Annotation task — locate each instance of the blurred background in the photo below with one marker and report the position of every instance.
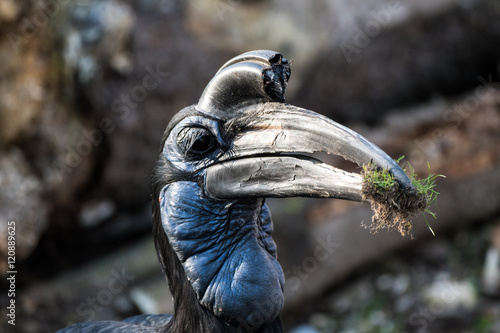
(87, 88)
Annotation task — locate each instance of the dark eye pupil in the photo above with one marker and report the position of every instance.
(202, 144)
(195, 142)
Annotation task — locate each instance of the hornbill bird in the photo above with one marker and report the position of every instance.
(218, 161)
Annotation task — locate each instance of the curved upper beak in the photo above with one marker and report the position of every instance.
(267, 158)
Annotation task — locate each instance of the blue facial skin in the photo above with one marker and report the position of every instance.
(227, 252)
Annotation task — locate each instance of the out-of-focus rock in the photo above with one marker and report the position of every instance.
(445, 296)
(23, 97)
(97, 35)
(95, 212)
(491, 267)
(428, 61)
(22, 90)
(21, 202)
(44, 161)
(491, 271)
(9, 10)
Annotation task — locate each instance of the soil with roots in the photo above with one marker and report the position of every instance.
(393, 207)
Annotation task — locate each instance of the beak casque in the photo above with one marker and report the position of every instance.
(267, 157)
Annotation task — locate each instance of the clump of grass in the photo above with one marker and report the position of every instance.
(393, 206)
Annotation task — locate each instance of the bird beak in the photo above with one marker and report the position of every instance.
(268, 157)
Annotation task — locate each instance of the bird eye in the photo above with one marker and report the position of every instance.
(202, 143)
(196, 141)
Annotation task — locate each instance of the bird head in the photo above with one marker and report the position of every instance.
(219, 160)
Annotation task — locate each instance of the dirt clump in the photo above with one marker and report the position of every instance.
(393, 206)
